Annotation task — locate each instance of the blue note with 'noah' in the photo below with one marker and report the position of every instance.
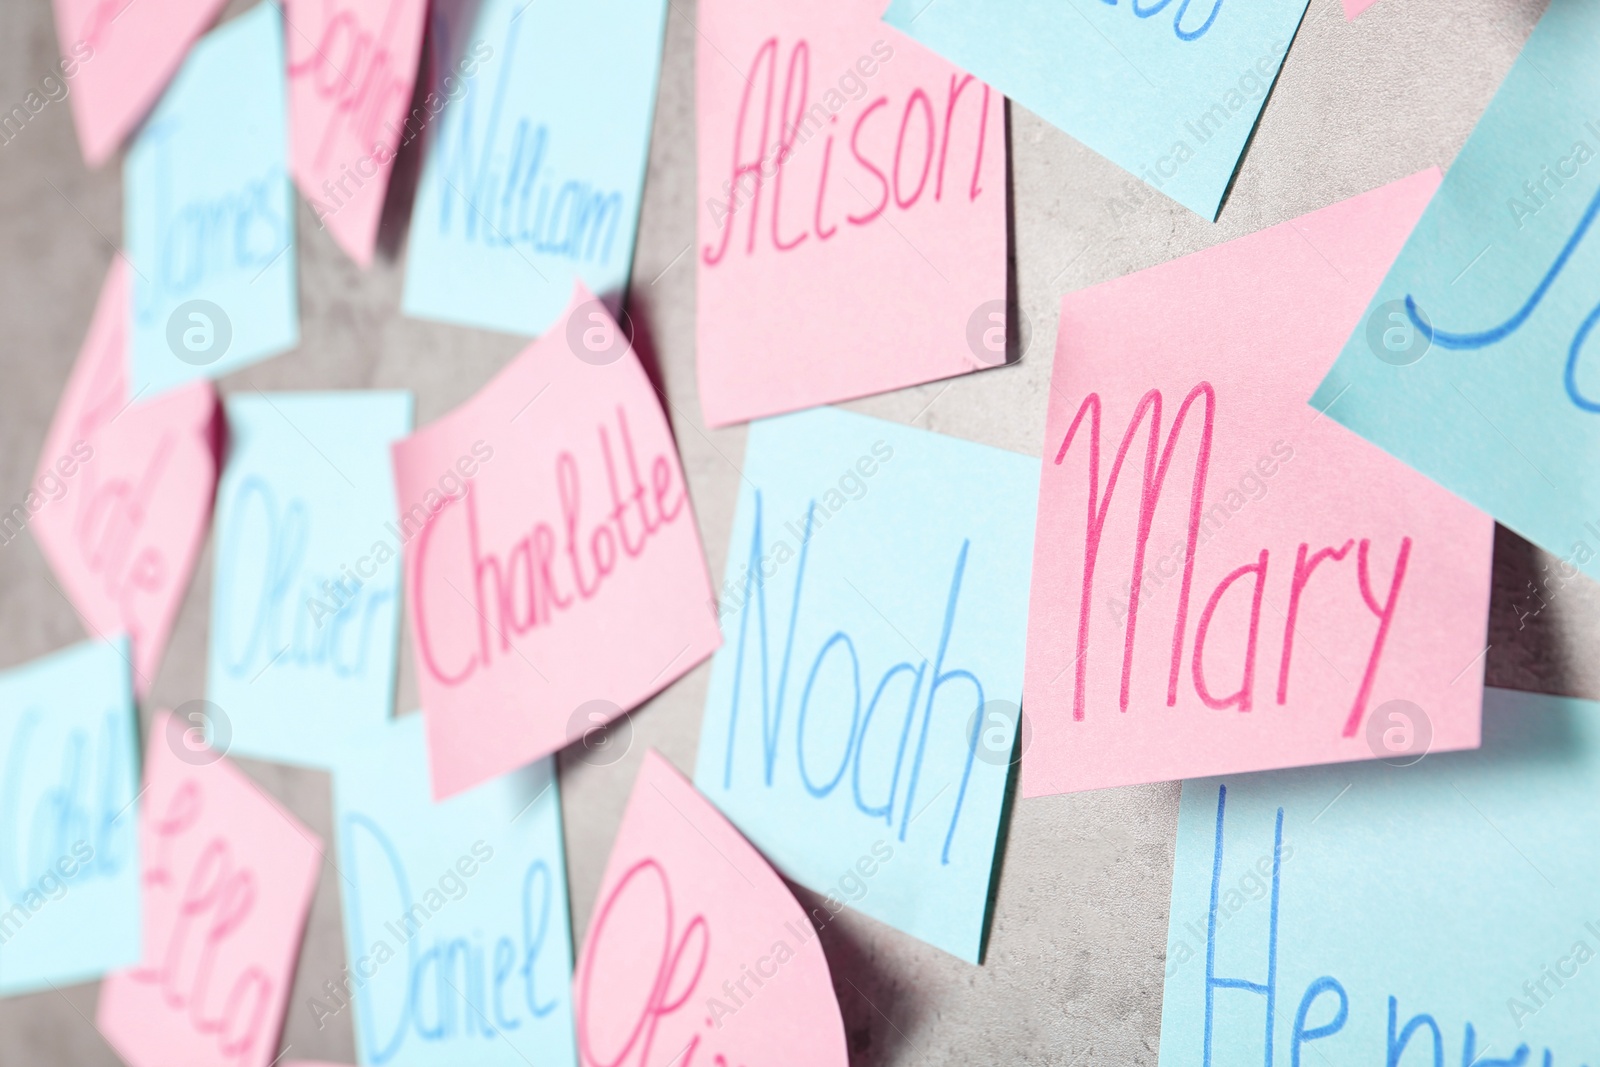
(1419, 912)
(209, 212)
(535, 161)
(457, 934)
(861, 725)
(1168, 90)
(305, 604)
(69, 818)
(1478, 359)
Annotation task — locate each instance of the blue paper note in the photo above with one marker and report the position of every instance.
(536, 156)
(860, 723)
(455, 914)
(1475, 362)
(1168, 91)
(1441, 912)
(209, 212)
(305, 602)
(69, 824)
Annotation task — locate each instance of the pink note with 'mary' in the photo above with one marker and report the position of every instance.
(117, 57)
(554, 577)
(1352, 8)
(124, 490)
(696, 952)
(352, 65)
(851, 209)
(1225, 579)
(228, 879)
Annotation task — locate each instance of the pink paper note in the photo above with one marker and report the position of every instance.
(228, 879)
(1292, 579)
(352, 64)
(874, 256)
(554, 576)
(1352, 8)
(121, 54)
(125, 491)
(696, 952)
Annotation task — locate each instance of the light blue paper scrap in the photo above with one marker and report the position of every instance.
(209, 212)
(305, 603)
(1397, 912)
(862, 712)
(70, 897)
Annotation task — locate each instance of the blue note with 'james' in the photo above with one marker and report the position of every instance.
(863, 708)
(1441, 912)
(1168, 90)
(455, 914)
(305, 604)
(536, 159)
(209, 212)
(1478, 362)
(69, 842)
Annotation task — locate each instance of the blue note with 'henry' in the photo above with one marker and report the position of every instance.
(1168, 90)
(69, 844)
(535, 161)
(455, 914)
(1398, 912)
(209, 212)
(306, 601)
(861, 723)
(1478, 362)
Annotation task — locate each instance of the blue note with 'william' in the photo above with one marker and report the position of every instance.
(861, 723)
(69, 844)
(1168, 90)
(305, 604)
(209, 212)
(536, 159)
(1478, 360)
(455, 914)
(1409, 912)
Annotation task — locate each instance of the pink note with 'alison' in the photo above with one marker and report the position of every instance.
(228, 880)
(124, 490)
(696, 953)
(851, 209)
(1225, 579)
(554, 576)
(352, 64)
(121, 54)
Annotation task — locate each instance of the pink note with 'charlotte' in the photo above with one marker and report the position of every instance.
(851, 207)
(1225, 579)
(121, 54)
(352, 64)
(228, 879)
(124, 489)
(696, 952)
(554, 576)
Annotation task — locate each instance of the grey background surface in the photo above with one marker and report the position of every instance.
(1074, 967)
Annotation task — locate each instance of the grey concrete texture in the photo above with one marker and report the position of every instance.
(1074, 969)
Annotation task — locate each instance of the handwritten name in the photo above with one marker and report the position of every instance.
(262, 576)
(543, 573)
(840, 648)
(1307, 560)
(900, 179)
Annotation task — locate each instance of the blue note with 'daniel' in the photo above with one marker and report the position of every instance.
(305, 604)
(69, 821)
(862, 719)
(1409, 912)
(535, 161)
(1478, 360)
(209, 212)
(457, 935)
(1168, 90)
